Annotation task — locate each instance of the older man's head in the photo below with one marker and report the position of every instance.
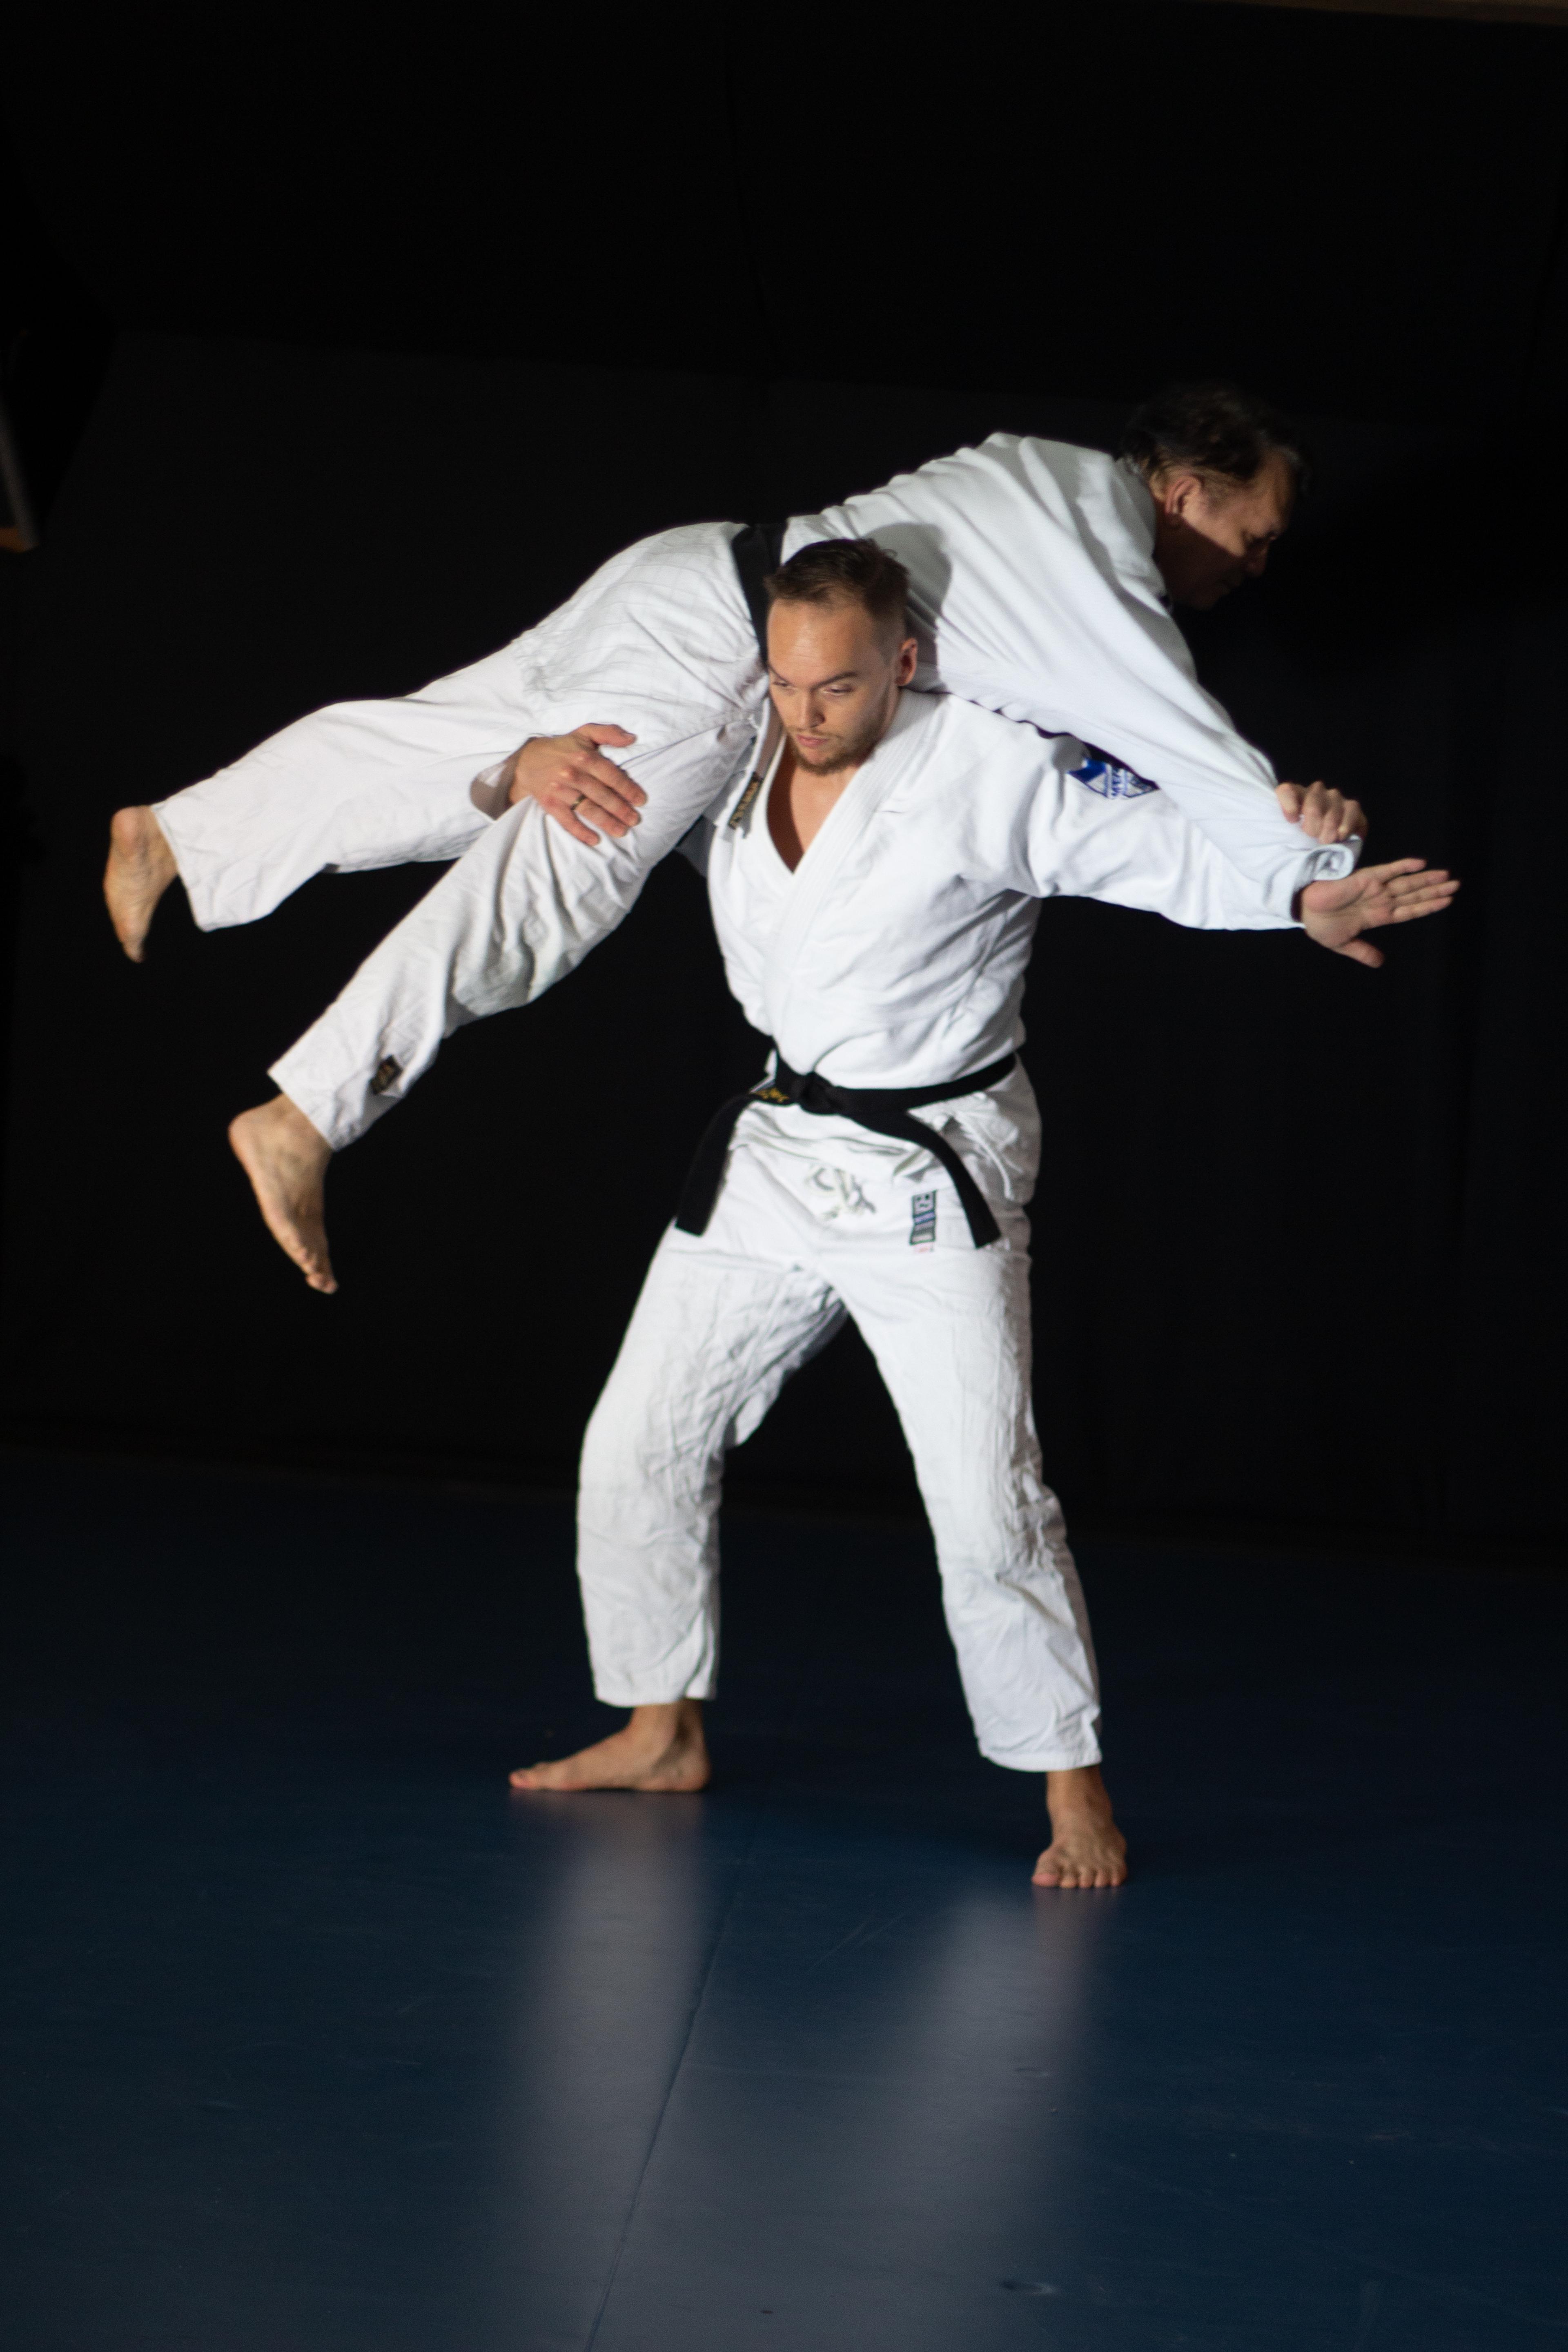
(1225, 470)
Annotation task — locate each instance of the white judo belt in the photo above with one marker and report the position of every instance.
(884, 1111)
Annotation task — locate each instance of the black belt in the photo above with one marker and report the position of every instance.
(885, 1110)
(758, 551)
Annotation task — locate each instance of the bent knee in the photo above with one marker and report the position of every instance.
(631, 1448)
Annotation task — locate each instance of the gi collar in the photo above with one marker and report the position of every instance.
(756, 772)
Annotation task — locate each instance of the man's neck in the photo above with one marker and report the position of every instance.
(801, 801)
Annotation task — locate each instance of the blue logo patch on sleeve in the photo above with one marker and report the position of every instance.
(922, 1221)
(1112, 783)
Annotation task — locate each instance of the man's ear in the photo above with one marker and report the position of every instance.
(1176, 493)
(909, 661)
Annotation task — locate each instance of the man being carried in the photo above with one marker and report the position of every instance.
(1041, 579)
(874, 872)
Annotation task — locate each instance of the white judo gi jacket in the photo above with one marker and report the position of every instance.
(893, 956)
(1034, 592)
(1035, 595)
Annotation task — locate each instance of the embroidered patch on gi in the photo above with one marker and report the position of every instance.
(742, 807)
(923, 1221)
(387, 1074)
(1111, 782)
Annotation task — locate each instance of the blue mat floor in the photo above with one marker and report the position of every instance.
(318, 2040)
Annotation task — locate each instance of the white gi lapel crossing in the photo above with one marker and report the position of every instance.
(846, 821)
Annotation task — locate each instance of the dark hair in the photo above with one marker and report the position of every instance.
(845, 570)
(1214, 429)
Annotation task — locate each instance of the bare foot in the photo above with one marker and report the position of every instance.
(140, 869)
(1086, 1848)
(661, 1750)
(286, 1161)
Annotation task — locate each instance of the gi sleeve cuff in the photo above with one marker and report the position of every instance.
(1330, 861)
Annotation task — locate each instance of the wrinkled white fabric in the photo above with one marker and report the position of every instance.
(1035, 594)
(723, 1319)
(658, 639)
(900, 942)
(894, 956)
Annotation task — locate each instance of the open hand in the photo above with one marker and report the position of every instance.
(1322, 812)
(568, 773)
(1335, 914)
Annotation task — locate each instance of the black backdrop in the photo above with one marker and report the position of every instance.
(410, 334)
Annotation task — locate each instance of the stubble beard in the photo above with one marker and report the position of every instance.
(850, 755)
(846, 755)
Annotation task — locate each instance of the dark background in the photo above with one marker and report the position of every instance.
(340, 349)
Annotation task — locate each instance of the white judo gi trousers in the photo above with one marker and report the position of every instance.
(724, 1319)
(659, 640)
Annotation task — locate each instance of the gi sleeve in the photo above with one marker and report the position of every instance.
(1143, 853)
(1103, 646)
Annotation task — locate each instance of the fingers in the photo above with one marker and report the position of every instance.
(1361, 951)
(1407, 890)
(562, 797)
(1426, 902)
(1403, 898)
(577, 785)
(567, 803)
(1318, 815)
(564, 812)
(604, 773)
(559, 796)
(1322, 812)
(608, 790)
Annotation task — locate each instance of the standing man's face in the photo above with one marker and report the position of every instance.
(1209, 538)
(835, 675)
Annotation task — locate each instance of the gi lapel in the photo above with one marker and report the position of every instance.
(737, 812)
(846, 821)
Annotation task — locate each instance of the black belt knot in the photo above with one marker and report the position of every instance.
(882, 1110)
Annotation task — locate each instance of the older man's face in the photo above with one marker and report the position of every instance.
(1209, 539)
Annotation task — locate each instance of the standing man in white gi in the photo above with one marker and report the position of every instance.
(1041, 575)
(875, 873)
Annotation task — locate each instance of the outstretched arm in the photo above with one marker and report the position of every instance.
(1337, 914)
(1145, 853)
